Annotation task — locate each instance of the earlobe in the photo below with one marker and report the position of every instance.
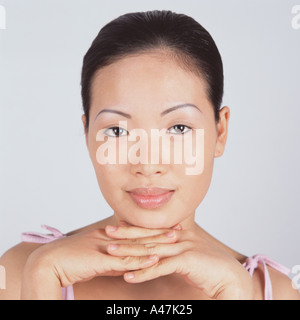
(217, 153)
(83, 118)
(222, 131)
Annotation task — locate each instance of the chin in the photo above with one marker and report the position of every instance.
(154, 221)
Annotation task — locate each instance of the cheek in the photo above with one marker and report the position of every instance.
(111, 179)
(192, 185)
(193, 189)
(109, 176)
(194, 150)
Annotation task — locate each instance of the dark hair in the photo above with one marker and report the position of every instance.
(178, 35)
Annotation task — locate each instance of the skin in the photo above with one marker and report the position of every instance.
(144, 86)
(190, 264)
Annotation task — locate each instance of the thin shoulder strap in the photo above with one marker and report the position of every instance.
(252, 263)
(35, 237)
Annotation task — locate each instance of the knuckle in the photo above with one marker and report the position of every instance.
(131, 241)
(127, 260)
(141, 260)
(132, 261)
(150, 249)
(160, 266)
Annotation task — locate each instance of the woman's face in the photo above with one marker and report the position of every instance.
(143, 87)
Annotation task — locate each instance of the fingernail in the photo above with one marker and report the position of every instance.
(177, 227)
(111, 228)
(129, 275)
(149, 261)
(113, 246)
(170, 234)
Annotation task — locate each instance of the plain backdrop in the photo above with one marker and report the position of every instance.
(46, 176)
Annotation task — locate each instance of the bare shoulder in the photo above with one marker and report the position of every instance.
(13, 261)
(282, 286)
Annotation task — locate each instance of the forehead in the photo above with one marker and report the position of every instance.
(152, 77)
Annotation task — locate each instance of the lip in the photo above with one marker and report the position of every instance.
(151, 198)
(150, 191)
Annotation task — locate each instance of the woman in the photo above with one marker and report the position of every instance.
(147, 71)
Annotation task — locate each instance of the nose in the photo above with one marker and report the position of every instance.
(148, 170)
(145, 157)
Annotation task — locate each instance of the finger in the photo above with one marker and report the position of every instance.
(131, 263)
(171, 236)
(132, 232)
(112, 273)
(162, 250)
(178, 227)
(162, 268)
(168, 237)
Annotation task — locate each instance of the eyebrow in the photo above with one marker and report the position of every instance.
(162, 113)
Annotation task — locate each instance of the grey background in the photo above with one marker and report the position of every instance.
(46, 176)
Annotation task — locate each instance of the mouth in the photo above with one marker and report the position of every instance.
(151, 198)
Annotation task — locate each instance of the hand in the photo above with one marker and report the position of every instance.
(81, 257)
(202, 264)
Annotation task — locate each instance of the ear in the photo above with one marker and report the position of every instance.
(222, 131)
(83, 118)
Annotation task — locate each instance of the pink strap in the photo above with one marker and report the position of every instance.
(35, 237)
(42, 238)
(252, 263)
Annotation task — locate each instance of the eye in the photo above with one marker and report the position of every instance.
(180, 129)
(115, 132)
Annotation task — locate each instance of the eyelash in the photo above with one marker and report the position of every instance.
(176, 125)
